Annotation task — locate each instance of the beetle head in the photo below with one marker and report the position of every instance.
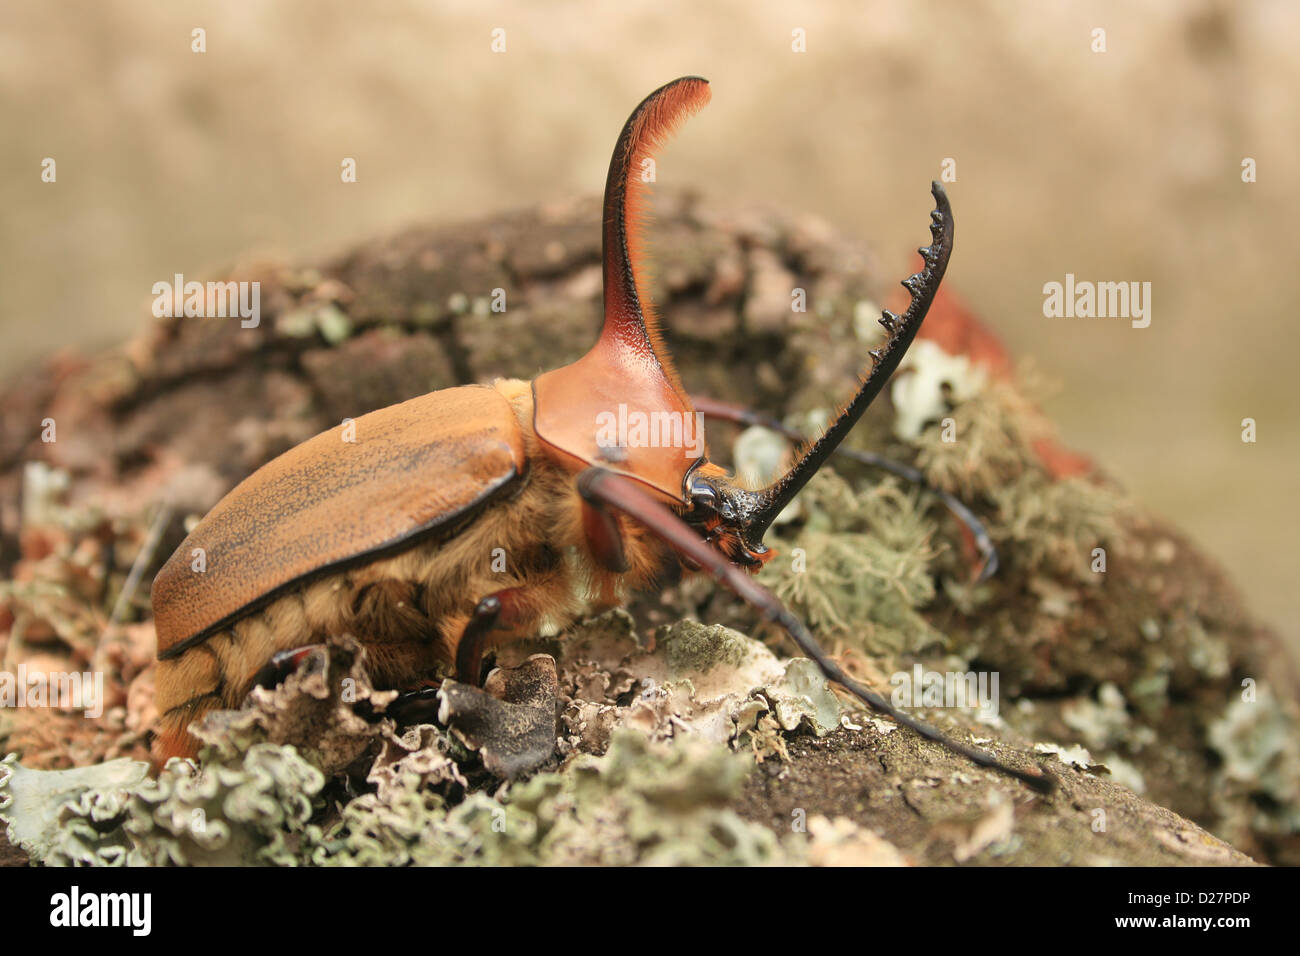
(723, 513)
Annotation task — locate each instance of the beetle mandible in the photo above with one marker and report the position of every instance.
(390, 536)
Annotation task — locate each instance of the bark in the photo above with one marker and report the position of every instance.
(194, 405)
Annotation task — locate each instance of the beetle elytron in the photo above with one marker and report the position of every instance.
(390, 536)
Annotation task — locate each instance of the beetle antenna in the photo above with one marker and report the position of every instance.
(901, 330)
(623, 494)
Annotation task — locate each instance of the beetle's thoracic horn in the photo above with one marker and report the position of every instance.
(901, 330)
(630, 318)
(628, 367)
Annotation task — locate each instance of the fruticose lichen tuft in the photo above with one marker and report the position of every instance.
(858, 568)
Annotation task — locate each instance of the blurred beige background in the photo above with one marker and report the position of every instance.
(1123, 165)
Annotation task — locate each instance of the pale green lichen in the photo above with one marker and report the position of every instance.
(1261, 758)
(1057, 526)
(32, 801)
(1075, 755)
(935, 380)
(705, 680)
(226, 814)
(988, 445)
(858, 569)
(656, 797)
(1206, 653)
(314, 708)
(992, 453)
(1100, 723)
(759, 454)
(695, 649)
(326, 318)
(802, 695)
(639, 803)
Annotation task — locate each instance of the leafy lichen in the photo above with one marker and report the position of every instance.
(243, 812)
(661, 794)
(645, 803)
(1256, 738)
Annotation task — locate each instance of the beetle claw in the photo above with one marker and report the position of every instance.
(415, 706)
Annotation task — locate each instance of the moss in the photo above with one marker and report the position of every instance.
(989, 447)
(1054, 526)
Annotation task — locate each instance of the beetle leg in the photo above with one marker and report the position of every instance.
(727, 412)
(600, 526)
(623, 494)
(495, 612)
(414, 706)
(281, 665)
